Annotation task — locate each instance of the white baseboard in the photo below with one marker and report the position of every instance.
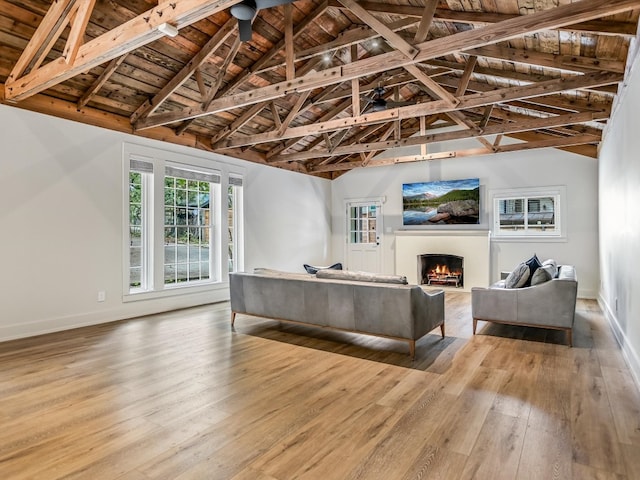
(628, 351)
(119, 312)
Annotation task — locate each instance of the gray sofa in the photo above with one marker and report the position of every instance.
(551, 304)
(397, 311)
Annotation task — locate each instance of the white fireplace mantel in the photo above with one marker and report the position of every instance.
(473, 245)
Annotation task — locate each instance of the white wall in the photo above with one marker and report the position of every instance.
(533, 168)
(61, 224)
(620, 221)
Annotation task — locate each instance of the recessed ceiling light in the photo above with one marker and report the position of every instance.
(375, 43)
(327, 57)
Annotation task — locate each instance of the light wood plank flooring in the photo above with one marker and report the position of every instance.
(181, 396)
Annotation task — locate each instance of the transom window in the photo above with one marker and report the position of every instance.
(527, 213)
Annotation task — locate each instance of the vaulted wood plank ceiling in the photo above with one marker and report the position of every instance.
(323, 87)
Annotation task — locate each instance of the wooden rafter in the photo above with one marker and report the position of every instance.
(288, 42)
(81, 17)
(553, 142)
(127, 37)
(425, 21)
(269, 55)
(470, 39)
(276, 101)
(430, 108)
(496, 129)
(42, 40)
(395, 40)
(101, 80)
(570, 63)
(597, 27)
(148, 107)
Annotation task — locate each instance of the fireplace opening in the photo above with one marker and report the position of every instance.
(440, 269)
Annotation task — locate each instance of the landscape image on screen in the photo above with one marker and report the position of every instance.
(441, 203)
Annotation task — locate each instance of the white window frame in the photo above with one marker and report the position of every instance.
(146, 276)
(154, 221)
(189, 172)
(558, 193)
(236, 182)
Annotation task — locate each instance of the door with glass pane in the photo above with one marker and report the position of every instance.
(364, 236)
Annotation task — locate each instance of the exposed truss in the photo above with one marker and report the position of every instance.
(288, 107)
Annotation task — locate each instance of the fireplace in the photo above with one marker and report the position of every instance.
(440, 269)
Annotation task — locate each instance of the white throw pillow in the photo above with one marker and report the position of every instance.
(554, 270)
(543, 274)
(518, 277)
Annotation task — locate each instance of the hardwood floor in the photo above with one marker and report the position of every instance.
(181, 396)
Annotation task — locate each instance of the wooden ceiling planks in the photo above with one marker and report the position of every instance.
(552, 55)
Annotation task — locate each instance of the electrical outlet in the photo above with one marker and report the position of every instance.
(102, 296)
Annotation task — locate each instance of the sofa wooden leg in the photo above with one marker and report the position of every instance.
(475, 325)
(442, 329)
(570, 337)
(412, 349)
(233, 318)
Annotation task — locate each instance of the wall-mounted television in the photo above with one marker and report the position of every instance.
(441, 203)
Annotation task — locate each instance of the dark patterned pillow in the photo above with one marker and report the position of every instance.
(313, 270)
(518, 277)
(533, 263)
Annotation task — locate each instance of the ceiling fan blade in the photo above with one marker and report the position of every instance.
(244, 27)
(271, 3)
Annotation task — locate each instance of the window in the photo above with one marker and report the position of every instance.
(362, 224)
(139, 249)
(174, 222)
(188, 203)
(234, 224)
(528, 213)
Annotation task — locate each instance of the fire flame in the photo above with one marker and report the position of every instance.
(443, 270)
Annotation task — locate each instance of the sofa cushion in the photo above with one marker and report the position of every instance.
(361, 276)
(543, 274)
(313, 270)
(533, 264)
(551, 262)
(279, 273)
(518, 277)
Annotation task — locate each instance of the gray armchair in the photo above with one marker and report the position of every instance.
(548, 305)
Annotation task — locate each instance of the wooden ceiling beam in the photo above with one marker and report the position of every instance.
(548, 143)
(346, 39)
(129, 36)
(493, 129)
(469, 39)
(288, 42)
(233, 51)
(430, 108)
(567, 63)
(273, 51)
(78, 27)
(213, 44)
(293, 113)
(48, 31)
(466, 75)
(395, 40)
(597, 27)
(101, 80)
(239, 122)
(425, 21)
